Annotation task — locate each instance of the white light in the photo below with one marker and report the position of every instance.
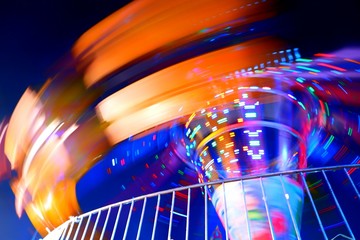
(250, 115)
(254, 143)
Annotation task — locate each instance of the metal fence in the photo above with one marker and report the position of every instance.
(331, 206)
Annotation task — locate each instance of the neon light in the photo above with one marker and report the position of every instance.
(254, 143)
(222, 120)
(196, 129)
(249, 107)
(329, 142)
(209, 164)
(351, 60)
(190, 119)
(230, 144)
(300, 79)
(336, 72)
(309, 69)
(302, 105)
(327, 109)
(229, 91)
(342, 89)
(332, 66)
(250, 115)
(350, 131)
(303, 60)
(291, 96)
(324, 55)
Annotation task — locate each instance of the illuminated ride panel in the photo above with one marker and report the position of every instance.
(147, 108)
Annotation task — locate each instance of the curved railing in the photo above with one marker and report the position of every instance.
(125, 219)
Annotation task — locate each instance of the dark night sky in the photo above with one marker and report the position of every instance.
(36, 35)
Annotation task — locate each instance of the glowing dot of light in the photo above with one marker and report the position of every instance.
(230, 144)
(254, 143)
(300, 79)
(250, 115)
(311, 89)
(222, 120)
(249, 107)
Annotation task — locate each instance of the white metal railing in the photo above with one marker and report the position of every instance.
(126, 219)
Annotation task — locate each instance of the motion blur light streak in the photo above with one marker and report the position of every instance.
(168, 94)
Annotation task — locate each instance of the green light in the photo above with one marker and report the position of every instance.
(181, 172)
(311, 89)
(302, 105)
(196, 129)
(327, 109)
(329, 142)
(300, 79)
(303, 60)
(350, 131)
(308, 69)
(315, 183)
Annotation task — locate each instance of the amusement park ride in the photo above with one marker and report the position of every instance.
(189, 120)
